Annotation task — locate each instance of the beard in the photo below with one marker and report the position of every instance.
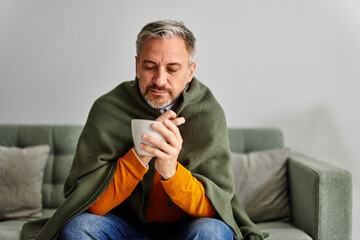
(156, 102)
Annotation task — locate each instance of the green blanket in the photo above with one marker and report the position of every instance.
(107, 136)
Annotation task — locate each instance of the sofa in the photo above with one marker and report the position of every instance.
(316, 196)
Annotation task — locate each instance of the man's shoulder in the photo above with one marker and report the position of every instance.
(202, 104)
(202, 95)
(123, 87)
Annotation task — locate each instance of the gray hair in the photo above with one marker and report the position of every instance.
(165, 29)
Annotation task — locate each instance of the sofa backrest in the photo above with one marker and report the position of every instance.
(244, 140)
(62, 140)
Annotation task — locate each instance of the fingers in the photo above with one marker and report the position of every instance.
(166, 115)
(167, 151)
(173, 140)
(170, 125)
(153, 150)
(171, 115)
(171, 146)
(170, 132)
(178, 121)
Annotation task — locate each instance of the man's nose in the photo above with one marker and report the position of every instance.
(160, 78)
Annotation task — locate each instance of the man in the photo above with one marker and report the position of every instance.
(186, 191)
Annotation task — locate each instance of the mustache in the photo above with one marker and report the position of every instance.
(155, 87)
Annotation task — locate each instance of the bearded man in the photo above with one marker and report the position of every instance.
(186, 191)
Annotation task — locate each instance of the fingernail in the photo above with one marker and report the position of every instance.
(145, 136)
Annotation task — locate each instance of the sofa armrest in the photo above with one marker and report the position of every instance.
(321, 198)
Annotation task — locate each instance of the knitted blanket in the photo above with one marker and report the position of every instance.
(107, 136)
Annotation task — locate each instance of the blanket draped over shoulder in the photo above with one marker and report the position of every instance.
(107, 136)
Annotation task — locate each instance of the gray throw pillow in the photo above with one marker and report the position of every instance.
(261, 184)
(21, 177)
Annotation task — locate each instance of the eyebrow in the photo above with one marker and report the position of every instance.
(171, 64)
(148, 61)
(175, 64)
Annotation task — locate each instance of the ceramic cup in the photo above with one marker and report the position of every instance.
(138, 128)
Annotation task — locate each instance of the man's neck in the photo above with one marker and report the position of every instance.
(169, 107)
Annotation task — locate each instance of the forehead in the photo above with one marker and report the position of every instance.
(164, 49)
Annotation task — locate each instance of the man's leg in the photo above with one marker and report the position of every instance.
(91, 226)
(205, 228)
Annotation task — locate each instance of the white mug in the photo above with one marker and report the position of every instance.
(138, 128)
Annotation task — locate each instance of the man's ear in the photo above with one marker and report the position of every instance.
(191, 71)
(137, 66)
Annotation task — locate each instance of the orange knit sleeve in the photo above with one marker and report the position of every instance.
(129, 173)
(188, 193)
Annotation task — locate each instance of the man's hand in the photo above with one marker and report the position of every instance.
(167, 152)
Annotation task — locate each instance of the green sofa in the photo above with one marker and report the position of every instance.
(320, 194)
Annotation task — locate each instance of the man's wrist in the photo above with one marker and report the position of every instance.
(168, 176)
(142, 158)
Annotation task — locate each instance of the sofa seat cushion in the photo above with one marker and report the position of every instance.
(11, 229)
(283, 231)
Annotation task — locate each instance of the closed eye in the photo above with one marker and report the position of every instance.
(172, 70)
(149, 68)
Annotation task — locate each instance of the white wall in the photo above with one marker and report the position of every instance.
(288, 64)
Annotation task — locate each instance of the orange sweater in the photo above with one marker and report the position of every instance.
(185, 191)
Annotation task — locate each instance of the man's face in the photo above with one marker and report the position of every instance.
(163, 70)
